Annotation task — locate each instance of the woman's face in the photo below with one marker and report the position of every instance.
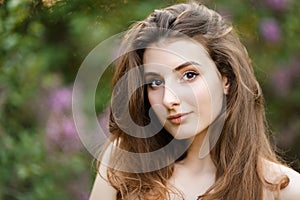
(184, 87)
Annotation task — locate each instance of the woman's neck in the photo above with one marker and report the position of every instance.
(193, 161)
(194, 175)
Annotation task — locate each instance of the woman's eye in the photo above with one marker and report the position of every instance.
(155, 83)
(190, 75)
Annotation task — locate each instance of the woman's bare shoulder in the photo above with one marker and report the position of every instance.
(102, 188)
(274, 171)
(292, 191)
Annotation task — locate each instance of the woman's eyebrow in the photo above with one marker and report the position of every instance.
(151, 74)
(178, 68)
(186, 64)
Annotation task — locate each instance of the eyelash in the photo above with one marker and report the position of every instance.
(195, 74)
(152, 82)
(155, 83)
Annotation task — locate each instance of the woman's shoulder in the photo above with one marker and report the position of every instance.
(102, 189)
(292, 191)
(273, 172)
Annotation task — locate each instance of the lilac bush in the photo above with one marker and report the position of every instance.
(277, 5)
(41, 155)
(281, 81)
(60, 129)
(270, 30)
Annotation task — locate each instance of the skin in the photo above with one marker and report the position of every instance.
(192, 95)
(185, 89)
(101, 188)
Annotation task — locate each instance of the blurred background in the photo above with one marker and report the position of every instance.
(44, 42)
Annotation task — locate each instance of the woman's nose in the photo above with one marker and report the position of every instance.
(170, 99)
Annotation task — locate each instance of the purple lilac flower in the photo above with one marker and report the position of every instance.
(284, 77)
(270, 30)
(295, 68)
(61, 134)
(281, 80)
(60, 128)
(61, 99)
(84, 196)
(278, 5)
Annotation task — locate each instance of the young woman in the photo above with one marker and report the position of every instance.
(193, 125)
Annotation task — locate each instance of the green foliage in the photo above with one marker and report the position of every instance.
(42, 47)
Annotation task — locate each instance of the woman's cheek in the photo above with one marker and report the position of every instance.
(155, 100)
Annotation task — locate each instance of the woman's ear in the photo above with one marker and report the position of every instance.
(226, 85)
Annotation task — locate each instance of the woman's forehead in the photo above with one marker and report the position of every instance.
(174, 53)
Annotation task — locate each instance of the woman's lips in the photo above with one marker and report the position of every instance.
(178, 118)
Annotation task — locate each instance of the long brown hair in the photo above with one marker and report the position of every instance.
(244, 139)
